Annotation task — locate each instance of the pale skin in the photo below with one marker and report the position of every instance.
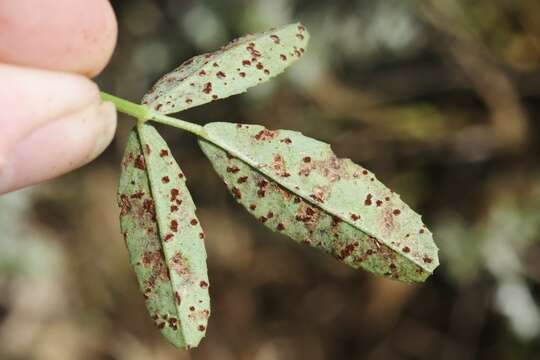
(52, 119)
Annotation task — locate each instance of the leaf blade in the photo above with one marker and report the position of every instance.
(336, 191)
(170, 265)
(239, 65)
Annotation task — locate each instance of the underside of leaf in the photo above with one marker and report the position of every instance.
(164, 238)
(297, 186)
(231, 70)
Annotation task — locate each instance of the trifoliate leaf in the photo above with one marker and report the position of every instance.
(239, 65)
(297, 186)
(164, 238)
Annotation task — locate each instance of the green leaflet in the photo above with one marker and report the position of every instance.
(239, 65)
(164, 238)
(296, 185)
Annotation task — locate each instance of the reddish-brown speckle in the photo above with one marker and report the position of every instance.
(283, 57)
(189, 101)
(252, 206)
(286, 141)
(124, 204)
(174, 208)
(165, 179)
(396, 212)
(174, 226)
(280, 227)
(207, 88)
(168, 237)
(177, 297)
(203, 284)
(365, 172)
(158, 106)
(242, 179)
(421, 231)
(275, 38)
(139, 162)
(163, 153)
(355, 217)
(149, 208)
(137, 195)
(236, 192)
(246, 63)
(201, 328)
(201, 235)
(202, 73)
(263, 219)
(265, 134)
(193, 222)
(233, 169)
(406, 249)
(378, 202)
(368, 202)
(242, 74)
(220, 75)
(427, 260)
(260, 66)
(174, 194)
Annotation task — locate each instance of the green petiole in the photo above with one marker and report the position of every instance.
(144, 113)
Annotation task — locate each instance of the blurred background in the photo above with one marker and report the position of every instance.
(440, 99)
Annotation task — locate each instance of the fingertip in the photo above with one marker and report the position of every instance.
(58, 147)
(66, 35)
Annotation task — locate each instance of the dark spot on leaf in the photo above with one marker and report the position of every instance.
(174, 226)
(220, 75)
(242, 74)
(233, 169)
(137, 195)
(207, 88)
(193, 222)
(139, 162)
(168, 237)
(307, 159)
(203, 284)
(283, 57)
(427, 260)
(378, 202)
(252, 206)
(406, 249)
(202, 73)
(201, 235)
(158, 106)
(246, 63)
(355, 217)
(174, 208)
(396, 212)
(165, 179)
(124, 205)
(242, 179)
(201, 328)
(275, 38)
(280, 227)
(368, 202)
(163, 153)
(236, 192)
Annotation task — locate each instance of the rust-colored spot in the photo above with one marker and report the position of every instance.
(220, 75)
(203, 284)
(378, 202)
(174, 208)
(168, 237)
(427, 260)
(192, 308)
(396, 212)
(259, 66)
(421, 231)
(368, 202)
(406, 249)
(233, 169)
(124, 205)
(158, 106)
(139, 162)
(283, 57)
(266, 72)
(189, 101)
(193, 222)
(280, 227)
(286, 141)
(147, 148)
(252, 206)
(365, 172)
(201, 235)
(163, 153)
(174, 193)
(137, 195)
(207, 88)
(246, 63)
(201, 328)
(242, 74)
(275, 38)
(265, 134)
(150, 208)
(165, 179)
(242, 179)
(236, 192)
(202, 73)
(355, 217)
(174, 226)
(307, 159)
(263, 219)
(177, 297)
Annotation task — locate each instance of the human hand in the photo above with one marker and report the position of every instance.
(52, 119)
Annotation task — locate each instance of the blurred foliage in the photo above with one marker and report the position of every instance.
(439, 98)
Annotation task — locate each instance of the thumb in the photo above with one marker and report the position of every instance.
(51, 123)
